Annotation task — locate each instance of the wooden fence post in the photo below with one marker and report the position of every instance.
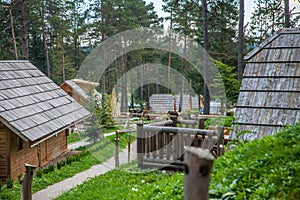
(220, 140)
(198, 165)
(129, 141)
(117, 149)
(27, 182)
(201, 123)
(173, 117)
(139, 135)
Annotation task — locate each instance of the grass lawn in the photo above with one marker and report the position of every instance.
(127, 182)
(74, 137)
(100, 152)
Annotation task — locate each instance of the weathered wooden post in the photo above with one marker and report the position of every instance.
(198, 165)
(173, 117)
(220, 141)
(139, 135)
(27, 182)
(117, 149)
(201, 123)
(129, 141)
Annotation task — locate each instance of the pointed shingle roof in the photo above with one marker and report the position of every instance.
(32, 105)
(269, 96)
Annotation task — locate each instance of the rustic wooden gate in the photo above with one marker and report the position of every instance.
(160, 146)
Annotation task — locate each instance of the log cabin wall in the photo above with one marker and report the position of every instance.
(269, 94)
(4, 153)
(49, 149)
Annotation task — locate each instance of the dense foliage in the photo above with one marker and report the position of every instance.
(268, 168)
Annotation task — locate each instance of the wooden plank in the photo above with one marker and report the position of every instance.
(139, 132)
(153, 144)
(168, 145)
(161, 144)
(188, 131)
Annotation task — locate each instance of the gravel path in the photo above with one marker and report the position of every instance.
(56, 189)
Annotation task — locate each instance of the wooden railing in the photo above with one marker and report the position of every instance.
(160, 146)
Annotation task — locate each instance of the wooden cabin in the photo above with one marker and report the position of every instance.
(162, 103)
(269, 96)
(80, 90)
(87, 86)
(35, 116)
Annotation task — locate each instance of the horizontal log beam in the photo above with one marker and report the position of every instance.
(175, 130)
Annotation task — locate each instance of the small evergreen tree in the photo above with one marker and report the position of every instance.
(105, 114)
(94, 131)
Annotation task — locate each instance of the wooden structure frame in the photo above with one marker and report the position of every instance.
(164, 146)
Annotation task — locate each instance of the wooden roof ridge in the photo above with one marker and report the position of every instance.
(77, 88)
(14, 61)
(270, 40)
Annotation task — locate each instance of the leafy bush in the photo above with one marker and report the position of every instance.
(268, 168)
(39, 173)
(20, 178)
(9, 183)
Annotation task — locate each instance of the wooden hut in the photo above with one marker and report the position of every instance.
(75, 91)
(87, 86)
(35, 116)
(162, 103)
(269, 96)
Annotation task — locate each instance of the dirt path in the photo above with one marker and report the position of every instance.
(56, 189)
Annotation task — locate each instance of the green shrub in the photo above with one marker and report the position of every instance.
(50, 168)
(45, 171)
(39, 173)
(9, 183)
(20, 178)
(267, 168)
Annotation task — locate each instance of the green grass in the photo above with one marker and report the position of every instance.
(219, 121)
(100, 152)
(74, 137)
(110, 130)
(128, 183)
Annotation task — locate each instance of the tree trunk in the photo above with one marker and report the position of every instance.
(13, 30)
(287, 14)
(205, 61)
(241, 40)
(24, 31)
(103, 54)
(182, 75)
(124, 99)
(46, 54)
(63, 59)
(169, 53)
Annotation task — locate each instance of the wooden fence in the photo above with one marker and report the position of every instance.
(161, 145)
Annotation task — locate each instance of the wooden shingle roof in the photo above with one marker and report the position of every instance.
(78, 89)
(269, 96)
(32, 105)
